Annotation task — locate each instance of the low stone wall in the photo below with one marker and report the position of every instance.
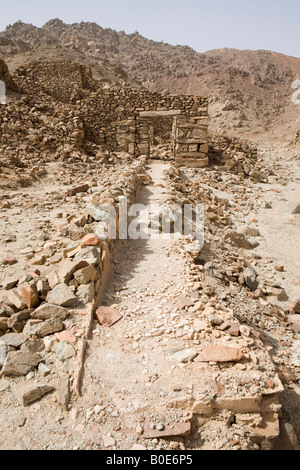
(46, 319)
(228, 150)
(60, 79)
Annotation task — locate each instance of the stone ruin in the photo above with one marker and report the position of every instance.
(122, 118)
(188, 137)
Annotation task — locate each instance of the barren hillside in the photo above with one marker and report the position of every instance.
(249, 91)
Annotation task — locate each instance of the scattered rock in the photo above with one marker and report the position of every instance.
(18, 320)
(234, 330)
(219, 353)
(295, 307)
(183, 302)
(19, 363)
(78, 189)
(64, 350)
(86, 292)
(86, 275)
(187, 355)
(68, 268)
(108, 316)
(27, 394)
(43, 369)
(66, 336)
(108, 441)
(30, 295)
(48, 311)
(14, 339)
(9, 261)
(174, 430)
(64, 391)
(45, 328)
(16, 299)
(62, 295)
(250, 276)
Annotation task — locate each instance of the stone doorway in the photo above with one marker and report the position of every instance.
(161, 128)
(188, 135)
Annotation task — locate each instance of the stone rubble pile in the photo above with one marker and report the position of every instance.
(238, 316)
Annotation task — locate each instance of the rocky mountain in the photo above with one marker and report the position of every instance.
(250, 91)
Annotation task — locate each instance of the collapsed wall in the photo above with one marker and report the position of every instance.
(63, 109)
(119, 118)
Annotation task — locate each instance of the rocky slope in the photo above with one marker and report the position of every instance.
(250, 91)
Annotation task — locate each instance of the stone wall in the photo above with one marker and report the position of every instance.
(229, 151)
(62, 79)
(106, 113)
(123, 119)
(63, 109)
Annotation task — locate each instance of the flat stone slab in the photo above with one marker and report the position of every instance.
(45, 328)
(14, 339)
(219, 353)
(62, 295)
(183, 302)
(64, 391)
(64, 350)
(177, 429)
(49, 311)
(78, 189)
(108, 316)
(19, 363)
(187, 355)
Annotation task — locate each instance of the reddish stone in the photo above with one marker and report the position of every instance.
(66, 336)
(219, 353)
(90, 240)
(30, 295)
(287, 344)
(108, 316)
(234, 330)
(234, 442)
(81, 312)
(211, 216)
(270, 383)
(256, 334)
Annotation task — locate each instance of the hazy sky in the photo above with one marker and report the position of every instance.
(201, 24)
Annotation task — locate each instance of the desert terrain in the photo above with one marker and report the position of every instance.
(152, 343)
